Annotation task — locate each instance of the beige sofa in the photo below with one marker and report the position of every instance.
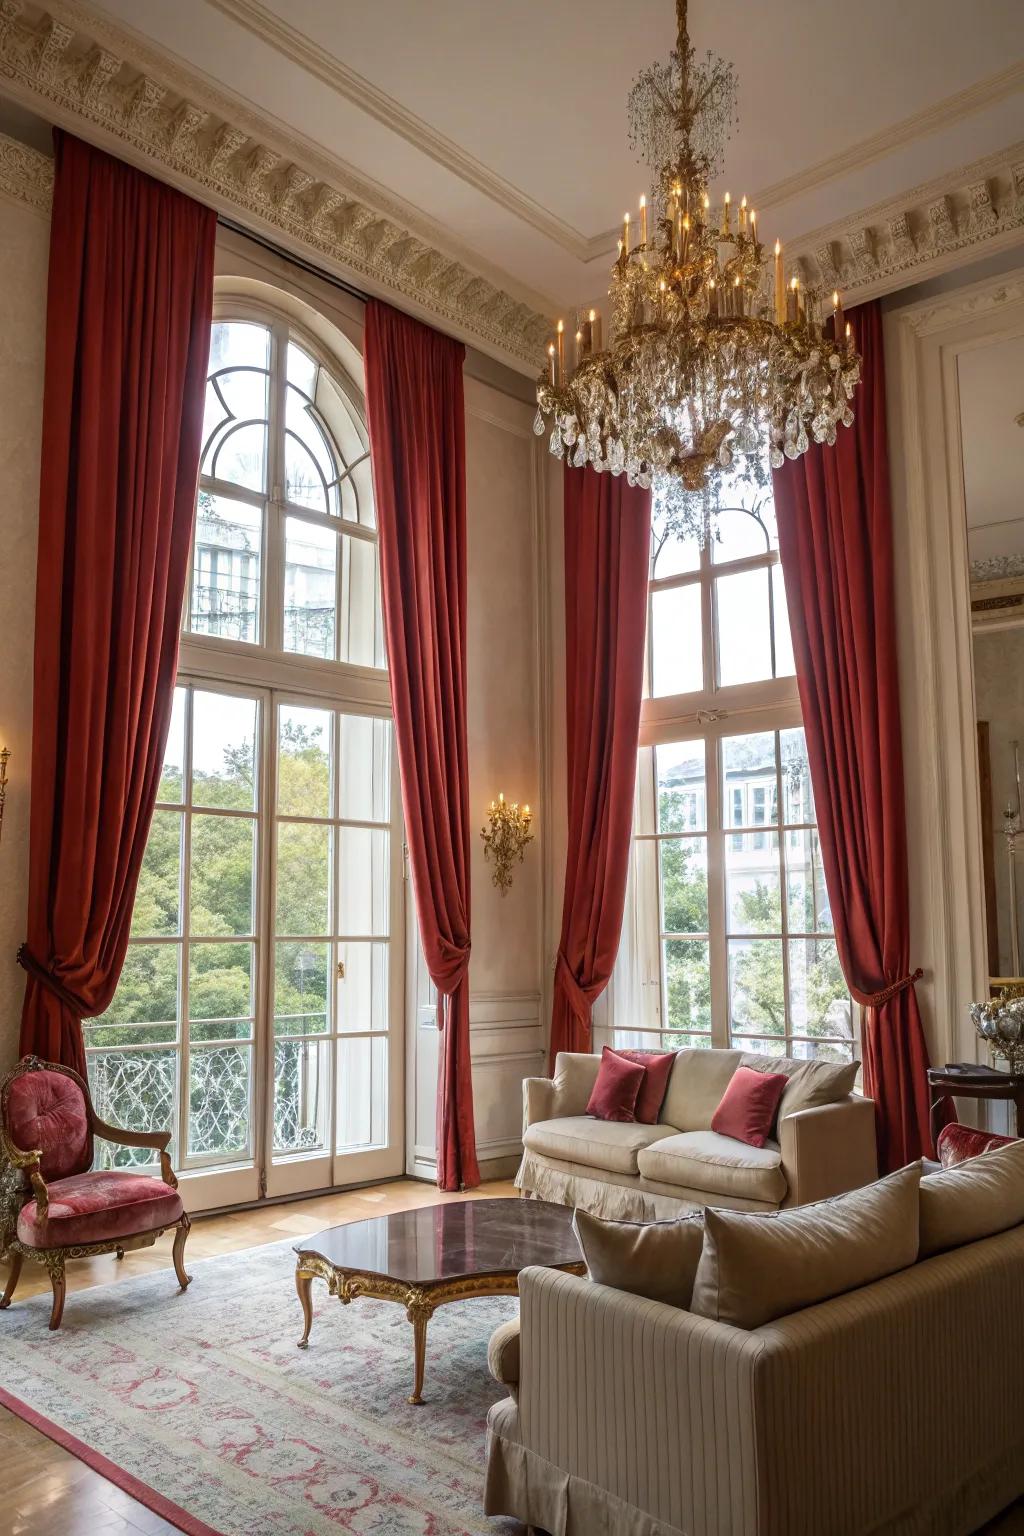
(897, 1408)
(826, 1141)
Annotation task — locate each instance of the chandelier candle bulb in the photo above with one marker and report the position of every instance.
(643, 221)
(780, 286)
(561, 352)
(743, 212)
(580, 354)
(625, 234)
(551, 364)
(595, 331)
(837, 315)
(712, 297)
(793, 301)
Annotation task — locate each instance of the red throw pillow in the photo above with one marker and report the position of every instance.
(658, 1067)
(616, 1089)
(748, 1106)
(957, 1143)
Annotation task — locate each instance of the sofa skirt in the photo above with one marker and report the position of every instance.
(617, 1196)
(530, 1489)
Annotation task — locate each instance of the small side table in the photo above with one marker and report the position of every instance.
(966, 1081)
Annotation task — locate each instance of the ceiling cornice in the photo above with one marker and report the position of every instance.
(972, 212)
(292, 44)
(98, 79)
(26, 174)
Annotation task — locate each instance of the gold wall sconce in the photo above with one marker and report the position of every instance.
(505, 837)
(5, 757)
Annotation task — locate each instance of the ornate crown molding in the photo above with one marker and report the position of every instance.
(978, 209)
(25, 174)
(83, 72)
(939, 314)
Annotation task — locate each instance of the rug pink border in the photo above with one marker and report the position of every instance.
(190, 1524)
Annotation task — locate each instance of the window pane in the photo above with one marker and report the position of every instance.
(304, 761)
(310, 467)
(301, 369)
(139, 1090)
(753, 895)
(310, 575)
(797, 794)
(226, 569)
(235, 413)
(785, 666)
(300, 988)
(671, 553)
(173, 771)
(303, 877)
(682, 798)
(745, 523)
(684, 885)
(363, 881)
(362, 632)
(219, 1097)
(157, 910)
(687, 992)
(147, 993)
(757, 1000)
(819, 1001)
(809, 910)
(363, 989)
(220, 992)
(365, 768)
(362, 1092)
(224, 751)
(744, 628)
(239, 344)
(677, 652)
(222, 875)
(301, 1082)
(748, 764)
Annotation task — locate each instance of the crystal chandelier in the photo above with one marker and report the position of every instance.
(715, 367)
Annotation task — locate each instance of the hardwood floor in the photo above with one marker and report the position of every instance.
(45, 1491)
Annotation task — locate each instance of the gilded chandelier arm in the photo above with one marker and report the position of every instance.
(158, 1140)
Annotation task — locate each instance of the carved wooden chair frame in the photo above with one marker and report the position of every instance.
(17, 1163)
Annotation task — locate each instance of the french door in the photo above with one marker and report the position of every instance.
(259, 1011)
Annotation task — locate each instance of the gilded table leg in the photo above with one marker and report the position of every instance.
(304, 1289)
(12, 1278)
(419, 1312)
(55, 1266)
(178, 1252)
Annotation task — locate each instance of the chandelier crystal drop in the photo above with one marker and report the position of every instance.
(715, 367)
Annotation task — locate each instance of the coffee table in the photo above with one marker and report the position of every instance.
(437, 1254)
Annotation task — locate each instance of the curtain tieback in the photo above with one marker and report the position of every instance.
(579, 1002)
(877, 999)
(38, 972)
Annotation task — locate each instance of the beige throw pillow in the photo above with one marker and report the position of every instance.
(758, 1267)
(811, 1085)
(654, 1259)
(972, 1200)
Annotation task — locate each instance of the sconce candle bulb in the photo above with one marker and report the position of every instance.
(5, 757)
(505, 838)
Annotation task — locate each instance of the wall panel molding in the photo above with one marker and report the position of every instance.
(103, 82)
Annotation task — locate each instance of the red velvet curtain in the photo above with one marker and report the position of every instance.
(607, 560)
(414, 404)
(127, 340)
(835, 542)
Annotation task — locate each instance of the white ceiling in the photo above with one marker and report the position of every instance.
(505, 123)
(991, 381)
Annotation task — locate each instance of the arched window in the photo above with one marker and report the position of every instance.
(259, 1011)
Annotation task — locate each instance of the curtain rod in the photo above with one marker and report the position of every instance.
(297, 261)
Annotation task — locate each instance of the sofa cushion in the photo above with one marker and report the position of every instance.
(617, 1088)
(46, 1112)
(657, 1070)
(98, 1207)
(657, 1259)
(594, 1143)
(812, 1084)
(695, 1088)
(716, 1164)
(748, 1107)
(973, 1199)
(756, 1268)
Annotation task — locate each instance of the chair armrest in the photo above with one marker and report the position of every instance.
(645, 1400)
(30, 1163)
(503, 1354)
(829, 1150)
(121, 1137)
(567, 1093)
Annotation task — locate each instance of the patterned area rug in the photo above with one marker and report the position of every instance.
(204, 1398)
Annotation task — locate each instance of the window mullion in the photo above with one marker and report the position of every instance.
(718, 957)
(783, 894)
(274, 588)
(185, 903)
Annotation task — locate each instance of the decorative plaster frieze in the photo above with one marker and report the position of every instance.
(954, 308)
(25, 174)
(976, 209)
(76, 68)
(998, 568)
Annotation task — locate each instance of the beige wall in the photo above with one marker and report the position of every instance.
(24, 235)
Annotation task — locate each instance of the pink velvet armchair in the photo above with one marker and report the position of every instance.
(54, 1205)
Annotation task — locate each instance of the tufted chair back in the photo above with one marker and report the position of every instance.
(47, 1110)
